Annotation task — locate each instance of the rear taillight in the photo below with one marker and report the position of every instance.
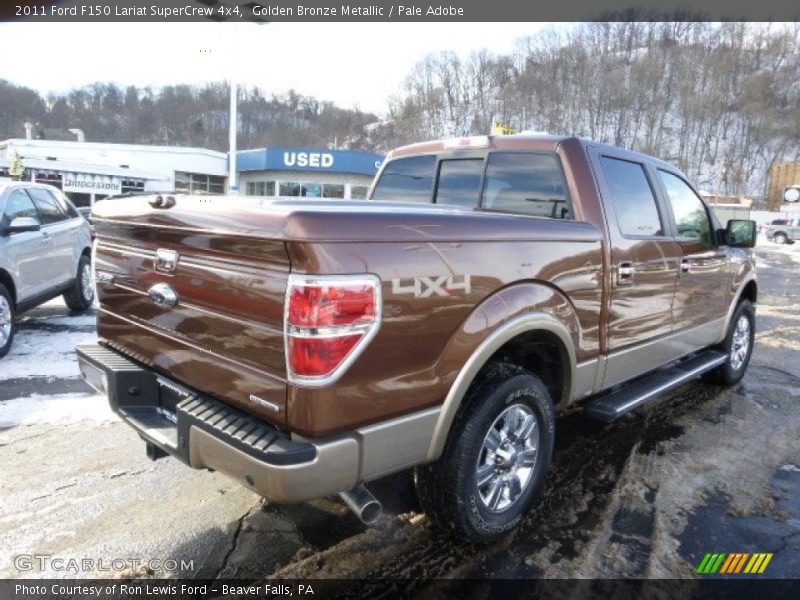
(328, 321)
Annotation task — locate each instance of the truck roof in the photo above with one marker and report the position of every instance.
(517, 141)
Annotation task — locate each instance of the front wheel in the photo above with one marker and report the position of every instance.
(738, 346)
(80, 295)
(496, 457)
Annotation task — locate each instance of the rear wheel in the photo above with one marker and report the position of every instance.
(6, 321)
(738, 346)
(81, 295)
(495, 459)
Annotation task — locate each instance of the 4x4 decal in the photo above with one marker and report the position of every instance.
(425, 287)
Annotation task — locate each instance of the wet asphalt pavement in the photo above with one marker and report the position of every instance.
(704, 469)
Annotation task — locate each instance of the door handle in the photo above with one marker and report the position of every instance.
(625, 272)
(45, 237)
(686, 265)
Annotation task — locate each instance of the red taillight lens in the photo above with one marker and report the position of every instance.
(317, 357)
(331, 306)
(327, 320)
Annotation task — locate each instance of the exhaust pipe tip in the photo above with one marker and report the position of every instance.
(365, 506)
(371, 513)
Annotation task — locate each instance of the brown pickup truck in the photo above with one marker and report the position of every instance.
(305, 347)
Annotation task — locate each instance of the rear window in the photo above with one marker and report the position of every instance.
(526, 183)
(459, 182)
(407, 179)
(531, 184)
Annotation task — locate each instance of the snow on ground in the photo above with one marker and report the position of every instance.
(766, 251)
(59, 409)
(38, 351)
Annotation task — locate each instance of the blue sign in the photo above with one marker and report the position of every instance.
(309, 159)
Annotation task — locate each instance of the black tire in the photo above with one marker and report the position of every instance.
(80, 297)
(448, 488)
(780, 238)
(732, 371)
(7, 326)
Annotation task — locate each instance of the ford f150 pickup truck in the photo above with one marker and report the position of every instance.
(306, 347)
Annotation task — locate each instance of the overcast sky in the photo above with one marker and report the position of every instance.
(352, 64)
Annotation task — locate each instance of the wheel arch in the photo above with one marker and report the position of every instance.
(747, 290)
(8, 281)
(525, 330)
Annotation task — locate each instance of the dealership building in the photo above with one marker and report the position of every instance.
(90, 171)
(306, 172)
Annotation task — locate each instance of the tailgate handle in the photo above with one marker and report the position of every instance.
(163, 295)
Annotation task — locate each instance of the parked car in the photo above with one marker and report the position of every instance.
(784, 231)
(45, 251)
(305, 348)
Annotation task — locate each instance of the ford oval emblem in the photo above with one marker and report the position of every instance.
(163, 295)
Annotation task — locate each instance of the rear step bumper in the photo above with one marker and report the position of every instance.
(208, 434)
(611, 405)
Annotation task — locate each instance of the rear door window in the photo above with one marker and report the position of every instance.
(459, 182)
(49, 209)
(526, 183)
(66, 206)
(407, 179)
(633, 198)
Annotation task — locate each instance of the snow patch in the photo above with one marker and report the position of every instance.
(792, 468)
(60, 409)
(41, 353)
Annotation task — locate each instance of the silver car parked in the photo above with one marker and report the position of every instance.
(45, 251)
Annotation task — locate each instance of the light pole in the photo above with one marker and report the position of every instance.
(233, 187)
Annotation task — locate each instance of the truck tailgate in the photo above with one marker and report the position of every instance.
(224, 335)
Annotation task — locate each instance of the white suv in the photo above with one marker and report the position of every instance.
(45, 251)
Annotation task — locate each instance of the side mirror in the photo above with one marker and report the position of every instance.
(21, 224)
(740, 233)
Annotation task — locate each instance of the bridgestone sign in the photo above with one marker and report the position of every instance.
(91, 184)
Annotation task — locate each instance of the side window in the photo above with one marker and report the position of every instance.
(459, 182)
(407, 179)
(633, 198)
(67, 206)
(526, 183)
(691, 218)
(49, 209)
(19, 204)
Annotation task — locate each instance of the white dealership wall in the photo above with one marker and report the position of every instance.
(96, 166)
